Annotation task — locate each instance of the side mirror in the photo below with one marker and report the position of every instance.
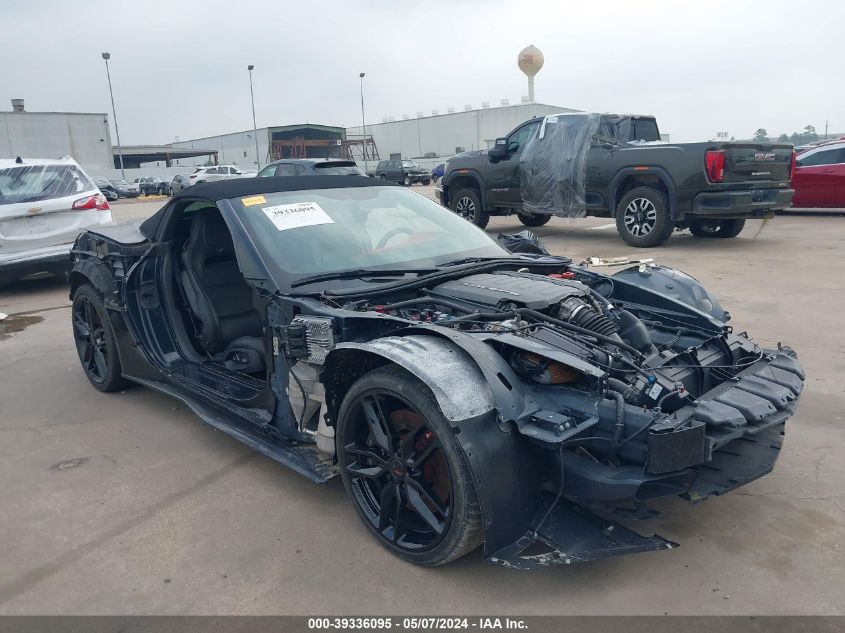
(499, 150)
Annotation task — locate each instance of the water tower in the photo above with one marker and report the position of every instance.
(530, 61)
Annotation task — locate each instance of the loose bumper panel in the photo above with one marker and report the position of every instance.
(571, 534)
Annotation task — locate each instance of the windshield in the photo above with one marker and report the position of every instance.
(31, 183)
(119, 183)
(304, 233)
(409, 163)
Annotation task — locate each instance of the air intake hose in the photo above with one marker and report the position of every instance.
(578, 312)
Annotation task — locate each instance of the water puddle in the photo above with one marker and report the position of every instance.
(17, 323)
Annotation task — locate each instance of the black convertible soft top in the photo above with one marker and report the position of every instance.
(239, 187)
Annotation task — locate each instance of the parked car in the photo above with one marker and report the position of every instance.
(819, 177)
(649, 187)
(437, 172)
(125, 189)
(179, 182)
(808, 146)
(405, 172)
(107, 189)
(465, 394)
(310, 167)
(44, 204)
(154, 186)
(215, 173)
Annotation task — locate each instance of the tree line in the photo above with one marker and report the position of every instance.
(796, 138)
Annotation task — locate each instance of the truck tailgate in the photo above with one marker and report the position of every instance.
(749, 162)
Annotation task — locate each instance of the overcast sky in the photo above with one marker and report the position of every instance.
(179, 66)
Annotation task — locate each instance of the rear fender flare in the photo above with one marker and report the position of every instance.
(94, 272)
(659, 172)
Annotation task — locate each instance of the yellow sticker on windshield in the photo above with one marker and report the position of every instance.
(253, 200)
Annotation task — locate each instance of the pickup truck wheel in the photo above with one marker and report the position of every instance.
(467, 204)
(408, 478)
(407, 181)
(426, 182)
(642, 217)
(534, 219)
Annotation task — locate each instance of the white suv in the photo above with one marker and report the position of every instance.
(217, 172)
(44, 204)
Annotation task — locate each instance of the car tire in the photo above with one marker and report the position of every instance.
(642, 217)
(534, 219)
(407, 181)
(426, 182)
(467, 204)
(382, 177)
(437, 502)
(716, 228)
(95, 342)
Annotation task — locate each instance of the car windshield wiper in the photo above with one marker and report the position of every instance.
(360, 272)
(473, 260)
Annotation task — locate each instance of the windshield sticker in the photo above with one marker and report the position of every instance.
(294, 216)
(253, 200)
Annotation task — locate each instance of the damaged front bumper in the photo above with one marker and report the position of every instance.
(729, 437)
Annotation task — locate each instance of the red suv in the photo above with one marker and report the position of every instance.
(819, 177)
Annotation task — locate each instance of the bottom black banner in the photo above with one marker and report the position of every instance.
(535, 624)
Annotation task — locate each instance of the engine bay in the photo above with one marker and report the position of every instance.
(655, 358)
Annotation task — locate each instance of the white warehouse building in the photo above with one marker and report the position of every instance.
(444, 135)
(81, 135)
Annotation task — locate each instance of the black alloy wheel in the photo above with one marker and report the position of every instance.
(94, 340)
(407, 478)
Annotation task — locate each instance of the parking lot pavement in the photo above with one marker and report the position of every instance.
(127, 503)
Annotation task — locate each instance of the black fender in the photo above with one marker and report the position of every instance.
(480, 395)
(472, 175)
(96, 273)
(677, 285)
(660, 172)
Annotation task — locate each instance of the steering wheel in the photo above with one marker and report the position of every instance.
(399, 230)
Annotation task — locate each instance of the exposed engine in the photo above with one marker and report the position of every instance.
(649, 359)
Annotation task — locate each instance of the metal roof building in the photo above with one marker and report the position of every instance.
(450, 133)
(307, 140)
(82, 135)
(136, 155)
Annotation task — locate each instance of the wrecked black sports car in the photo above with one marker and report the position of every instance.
(465, 394)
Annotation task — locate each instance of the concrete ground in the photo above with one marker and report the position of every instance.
(128, 504)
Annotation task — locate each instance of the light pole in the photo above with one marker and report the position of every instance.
(250, 68)
(363, 123)
(106, 57)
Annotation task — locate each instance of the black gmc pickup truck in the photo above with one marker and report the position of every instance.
(649, 187)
